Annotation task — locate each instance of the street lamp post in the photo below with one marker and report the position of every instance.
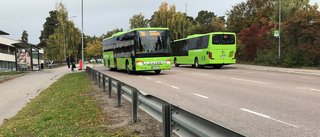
(82, 33)
(279, 26)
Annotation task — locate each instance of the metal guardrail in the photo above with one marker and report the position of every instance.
(173, 118)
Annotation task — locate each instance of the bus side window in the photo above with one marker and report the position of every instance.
(205, 42)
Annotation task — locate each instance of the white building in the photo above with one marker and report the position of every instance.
(7, 54)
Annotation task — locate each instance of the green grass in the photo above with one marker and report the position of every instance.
(63, 109)
(9, 73)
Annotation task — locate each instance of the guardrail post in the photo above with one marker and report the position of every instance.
(166, 120)
(103, 83)
(134, 105)
(109, 86)
(119, 93)
(99, 78)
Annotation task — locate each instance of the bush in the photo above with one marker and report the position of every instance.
(269, 58)
(296, 58)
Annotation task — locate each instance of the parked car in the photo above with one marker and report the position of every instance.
(92, 60)
(99, 60)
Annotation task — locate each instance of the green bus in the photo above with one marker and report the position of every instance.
(213, 49)
(140, 49)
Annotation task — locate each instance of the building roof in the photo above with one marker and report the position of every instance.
(7, 41)
(3, 33)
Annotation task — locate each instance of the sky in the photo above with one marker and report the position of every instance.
(99, 16)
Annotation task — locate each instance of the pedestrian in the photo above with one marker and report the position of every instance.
(68, 61)
(72, 62)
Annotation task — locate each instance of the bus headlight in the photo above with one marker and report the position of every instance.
(140, 63)
(168, 61)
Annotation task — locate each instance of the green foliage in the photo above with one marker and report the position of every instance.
(63, 109)
(266, 57)
(254, 38)
(296, 58)
(65, 32)
(110, 33)
(177, 22)
(48, 28)
(24, 37)
(138, 21)
(244, 14)
(288, 9)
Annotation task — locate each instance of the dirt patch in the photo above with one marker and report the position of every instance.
(120, 117)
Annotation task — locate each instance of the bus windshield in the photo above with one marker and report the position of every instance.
(223, 39)
(155, 42)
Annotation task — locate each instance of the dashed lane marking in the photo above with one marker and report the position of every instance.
(246, 80)
(200, 95)
(306, 88)
(268, 117)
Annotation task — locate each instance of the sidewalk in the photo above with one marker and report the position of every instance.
(278, 69)
(18, 92)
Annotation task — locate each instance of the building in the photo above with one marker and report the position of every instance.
(15, 55)
(7, 54)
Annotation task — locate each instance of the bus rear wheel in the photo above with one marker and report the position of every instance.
(109, 67)
(128, 68)
(157, 71)
(196, 63)
(175, 63)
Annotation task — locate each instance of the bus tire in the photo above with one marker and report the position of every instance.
(175, 62)
(128, 68)
(109, 66)
(196, 63)
(157, 71)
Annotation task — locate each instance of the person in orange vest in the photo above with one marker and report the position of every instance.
(80, 66)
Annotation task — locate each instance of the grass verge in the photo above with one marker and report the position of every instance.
(63, 109)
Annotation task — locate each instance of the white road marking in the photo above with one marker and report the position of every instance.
(200, 95)
(306, 78)
(246, 80)
(273, 74)
(148, 78)
(159, 82)
(268, 117)
(201, 74)
(174, 87)
(306, 88)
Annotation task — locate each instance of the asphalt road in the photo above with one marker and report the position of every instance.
(251, 102)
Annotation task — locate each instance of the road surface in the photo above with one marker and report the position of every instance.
(250, 102)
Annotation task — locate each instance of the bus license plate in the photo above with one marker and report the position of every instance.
(223, 56)
(155, 67)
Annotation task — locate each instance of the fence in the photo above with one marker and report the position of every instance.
(173, 118)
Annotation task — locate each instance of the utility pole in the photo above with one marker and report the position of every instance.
(82, 33)
(279, 26)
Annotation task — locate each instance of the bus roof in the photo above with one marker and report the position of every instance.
(120, 33)
(200, 35)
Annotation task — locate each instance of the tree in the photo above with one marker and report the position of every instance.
(24, 37)
(138, 21)
(244, 14)
(302, 34)
(254, 39)
(48, 28)
(177, 22)
(288, 9)
(208, 22)
(94, 49)
(110, 33)
(55, 43)
(205, 17)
